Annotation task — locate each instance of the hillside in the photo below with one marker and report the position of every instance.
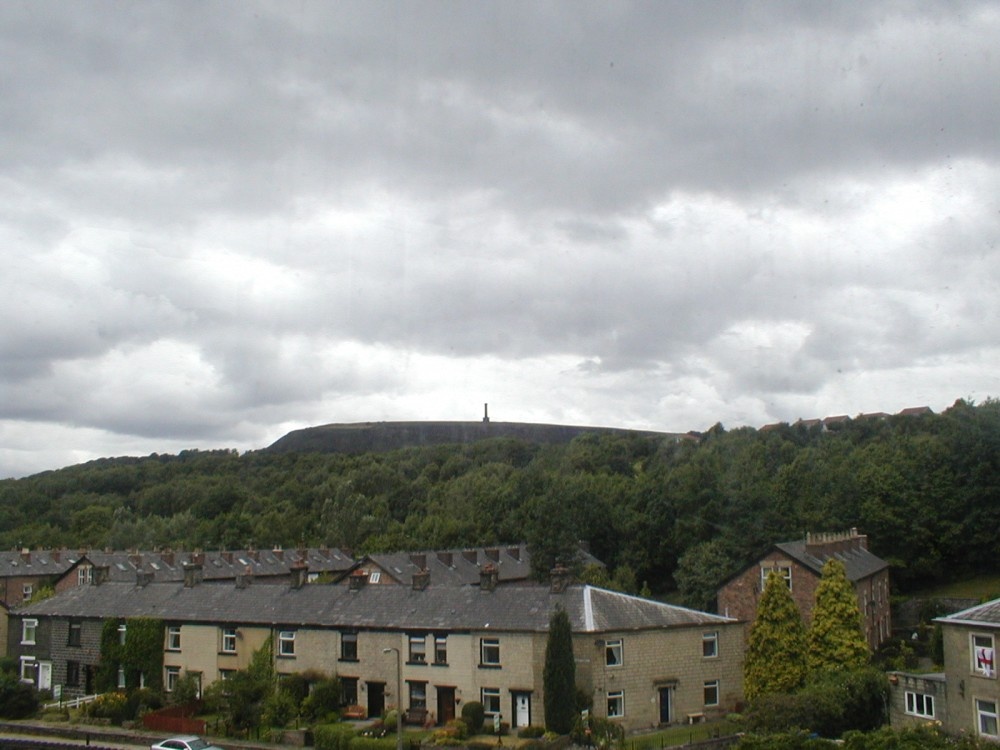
(676, 514)
(378, 437)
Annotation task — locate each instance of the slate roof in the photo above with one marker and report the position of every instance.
(982, 614)
(461, 567)
(219, 565)
(859, 563)
(35, 562)
(510, 609)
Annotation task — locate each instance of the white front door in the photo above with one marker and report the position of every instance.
(522, 710)
(44, 675)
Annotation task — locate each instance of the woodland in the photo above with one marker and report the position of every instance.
(667, 515)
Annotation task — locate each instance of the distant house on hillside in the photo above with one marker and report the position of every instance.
(23, 572)
(800, 563)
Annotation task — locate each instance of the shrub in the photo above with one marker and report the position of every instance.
(296, 686)
(474, 713)
(17, 700)
(140, 701)
(785, 741)
(333, 736)
(111, 706)
(279, 709)
(596, 731)
(322, 701)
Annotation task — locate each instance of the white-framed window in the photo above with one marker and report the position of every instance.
(28, 630)
(614, 656)
(375, 576)
(711, 692)
(490, 698)
(122, 632)
(440, 649)
(920, 704)
(84, 575)
(983, 655)
(27, 590)
(121, 678)
(225, 674)
(785, 571)
(173, 638)
(986, 719)
(172, 675)
(489, 652)
(418, 649)
(616, 704)
(29, 669)
(710, 644)
(286, 643)
(229, 640)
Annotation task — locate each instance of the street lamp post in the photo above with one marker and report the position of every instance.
(399, 695)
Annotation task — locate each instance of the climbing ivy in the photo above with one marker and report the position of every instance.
(141, 655)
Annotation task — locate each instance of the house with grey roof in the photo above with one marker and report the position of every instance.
(23, 572)
(800, 564)
(457, 567)
(642, 662)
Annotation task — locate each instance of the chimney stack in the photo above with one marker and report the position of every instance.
(143, 578)
(357, 580)
(279, 553)
(193, 574)
(489, 576)
(300, 574)
(101, 573)
(446, 558)
(420, 560)
(421, 580)
(244, 579)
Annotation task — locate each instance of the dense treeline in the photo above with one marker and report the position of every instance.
(926, 490)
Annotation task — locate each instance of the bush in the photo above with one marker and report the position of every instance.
(333, 736)
(279, 709)
(111, 706)
(596, 731)
(141, 701)
(17, 700)
(784, 741)
(474, 713)
(296, 686)
(322, 701)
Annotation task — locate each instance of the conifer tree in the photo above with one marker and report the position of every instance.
(559, 676)
(775, 657)
(835, 639)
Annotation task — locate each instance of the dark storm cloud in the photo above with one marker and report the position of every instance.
(223, 221)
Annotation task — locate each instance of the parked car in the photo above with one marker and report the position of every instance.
(187, 742)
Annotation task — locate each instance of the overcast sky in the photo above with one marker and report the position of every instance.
(222, 221)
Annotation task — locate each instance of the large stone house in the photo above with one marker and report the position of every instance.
(800, 563)
(644, 663)
(965, 698)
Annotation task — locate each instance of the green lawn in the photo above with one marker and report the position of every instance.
(985, 586)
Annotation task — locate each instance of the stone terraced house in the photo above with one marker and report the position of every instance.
(644, 663)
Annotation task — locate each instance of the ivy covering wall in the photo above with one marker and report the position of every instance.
(141, 656)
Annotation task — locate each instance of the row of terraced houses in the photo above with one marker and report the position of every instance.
(460, 625)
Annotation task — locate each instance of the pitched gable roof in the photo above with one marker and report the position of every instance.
(522, 608)
(858, 562)
(987, 614)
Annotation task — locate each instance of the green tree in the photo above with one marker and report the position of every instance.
(776, 649)
(835, 639)
(559, 675)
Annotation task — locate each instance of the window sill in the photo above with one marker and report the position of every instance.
(440, 664)
(491, 666)
(416, 664)
(285, 656)
(351, 660)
